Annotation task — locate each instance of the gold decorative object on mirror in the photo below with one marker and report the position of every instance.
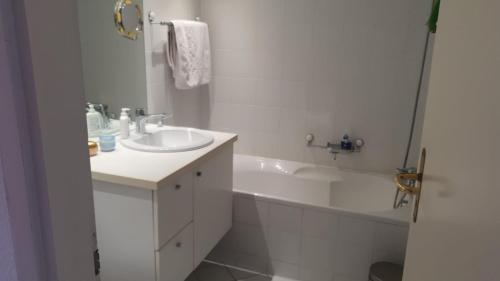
(128, 19)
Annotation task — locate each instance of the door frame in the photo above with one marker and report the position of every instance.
(46, 171)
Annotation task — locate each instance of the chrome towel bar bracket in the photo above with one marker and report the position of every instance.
(152, 20)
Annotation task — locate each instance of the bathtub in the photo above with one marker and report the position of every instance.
(311, 223)
(354, 192)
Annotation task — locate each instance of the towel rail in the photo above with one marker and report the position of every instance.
(152, 20)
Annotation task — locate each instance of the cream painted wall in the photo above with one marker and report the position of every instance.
(284, 68)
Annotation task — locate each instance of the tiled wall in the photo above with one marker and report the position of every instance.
(307, 244)
(283, 68)
(163, 97)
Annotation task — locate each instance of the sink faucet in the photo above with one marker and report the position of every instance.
(103, 109)
(139, 115)
(144, 118)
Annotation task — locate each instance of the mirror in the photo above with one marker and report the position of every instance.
(114, 69)
(128, 19)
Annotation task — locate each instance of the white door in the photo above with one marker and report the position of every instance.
(457, 234)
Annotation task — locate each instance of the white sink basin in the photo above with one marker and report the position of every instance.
(169, 139)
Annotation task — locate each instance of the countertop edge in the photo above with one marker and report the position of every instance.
(155, 185)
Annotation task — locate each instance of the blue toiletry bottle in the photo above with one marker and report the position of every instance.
(346, 143)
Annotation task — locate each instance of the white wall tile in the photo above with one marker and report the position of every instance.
(293, 121)
(353, 262)
(162, 96)
(263, 119)
(294, 95)
(285, 218)
(350, 64)
(265, 144)
(234, 90)
(326, 246)
(283, 246)
(271, 23)
(353, 256)
(251, 211)
(318, 253)
(238, 63)
(251, 240)
(237, 29)
(390, 243)
(267, 92)
(244, 144)
(355, 231)
(320, 224)
(300, 11)
(291, 146)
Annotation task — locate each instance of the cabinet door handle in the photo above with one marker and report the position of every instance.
(199, 174)
(178, 244)
(178, 186)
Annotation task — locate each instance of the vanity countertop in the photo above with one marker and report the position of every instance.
(151, 170)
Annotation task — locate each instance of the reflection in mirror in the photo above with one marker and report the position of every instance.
(128, 19)
(114, 68)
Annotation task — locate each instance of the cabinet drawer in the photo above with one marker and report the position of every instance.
(174, 208)
(175, 259)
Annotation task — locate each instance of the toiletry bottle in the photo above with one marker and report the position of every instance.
(94, 120)
(125, 123)
(346, 143)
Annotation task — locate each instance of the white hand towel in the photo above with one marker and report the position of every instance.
(188, 53)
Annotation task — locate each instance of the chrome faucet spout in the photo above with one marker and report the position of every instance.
(141, 123)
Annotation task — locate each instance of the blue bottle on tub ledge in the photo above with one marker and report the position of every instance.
(346, 143)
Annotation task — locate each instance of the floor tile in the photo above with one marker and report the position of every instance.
(279, 278)
(212, 272)
(238, 274)
(192, 277)
(257, 278)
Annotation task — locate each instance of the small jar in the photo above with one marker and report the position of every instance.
(107, 143)
(93, 148)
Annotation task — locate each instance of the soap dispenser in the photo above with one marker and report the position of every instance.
(94, 120)
(125, 123)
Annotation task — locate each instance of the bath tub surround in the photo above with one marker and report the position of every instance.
(323, 187)
(311, 223)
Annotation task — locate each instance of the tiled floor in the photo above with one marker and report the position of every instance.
(213, 272)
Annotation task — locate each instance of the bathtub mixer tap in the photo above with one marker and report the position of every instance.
(336, 148)
(403, 201)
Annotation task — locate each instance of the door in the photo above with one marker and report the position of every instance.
(457, 234)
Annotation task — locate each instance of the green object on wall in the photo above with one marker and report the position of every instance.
(433, 19)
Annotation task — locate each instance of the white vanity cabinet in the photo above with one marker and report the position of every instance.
(163, 234)
(213, 203)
